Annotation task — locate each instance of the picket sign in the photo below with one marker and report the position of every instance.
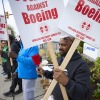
(55, 63)
(7, 33)
(9, 46)
(3, 33)
(8, 39)
(62, 67)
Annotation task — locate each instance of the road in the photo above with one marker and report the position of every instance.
(4, 87)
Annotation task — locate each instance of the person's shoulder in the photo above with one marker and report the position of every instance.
(82, 64)
(34, 48)
(16, 43)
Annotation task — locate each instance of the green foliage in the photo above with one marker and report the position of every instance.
(95, 79)
(96, 69)
(92, 80)
(81, 44)
(96, 93)
(80, 47)
(57, 55)
(50, 60)
(86, 60)
(12, 30)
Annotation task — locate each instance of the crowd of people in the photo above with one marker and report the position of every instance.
(9, 68)
(25, 70)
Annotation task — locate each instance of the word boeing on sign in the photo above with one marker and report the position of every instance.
(86, 10)
(39, 17)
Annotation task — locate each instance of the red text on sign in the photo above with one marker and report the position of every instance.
(37, 6)
(39, 17)
(96, 2)
(26, 0)
(86, 10)
(2, 25)
(1, 32)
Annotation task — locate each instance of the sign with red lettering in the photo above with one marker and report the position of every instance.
(3, 32)
(37, 20)
(82, 20)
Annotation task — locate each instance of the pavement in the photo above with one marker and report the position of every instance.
(4, 87)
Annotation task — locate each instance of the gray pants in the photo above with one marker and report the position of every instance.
(28, 89)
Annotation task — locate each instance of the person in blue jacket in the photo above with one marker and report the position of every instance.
(28, 60)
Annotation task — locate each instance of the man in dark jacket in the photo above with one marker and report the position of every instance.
(15, 47)
(77, 79)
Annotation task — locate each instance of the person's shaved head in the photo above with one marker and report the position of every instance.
(65, 44)
(70, 38)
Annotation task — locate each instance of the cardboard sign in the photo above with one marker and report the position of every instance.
(37, 20)
(82, 20)
(3, 31)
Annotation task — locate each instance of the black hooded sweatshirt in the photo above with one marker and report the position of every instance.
(78, 87)
(15, 46)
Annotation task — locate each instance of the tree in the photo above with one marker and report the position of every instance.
(12, 30)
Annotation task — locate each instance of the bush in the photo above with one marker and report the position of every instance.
(95, 79)
(96, 69)
(50, 60)
(80, 47)
(96, 93)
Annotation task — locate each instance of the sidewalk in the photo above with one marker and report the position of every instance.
(4, 87)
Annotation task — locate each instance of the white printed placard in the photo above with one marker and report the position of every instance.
(90, 52)
(37, 20)
(3, 31)
(82, 20)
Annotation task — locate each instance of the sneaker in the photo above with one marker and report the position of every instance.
(4, 73)
(7, 80)
(18, 92)
(2, 99)
(8, 94)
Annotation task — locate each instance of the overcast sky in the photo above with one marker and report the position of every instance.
(11, 20)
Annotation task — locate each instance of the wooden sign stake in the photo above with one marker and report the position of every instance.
(55, 63)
